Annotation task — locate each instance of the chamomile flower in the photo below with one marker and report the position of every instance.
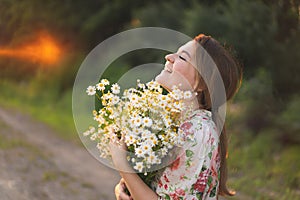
(152, 158)
(114, 100)
(153, 139)
(86, 133)
(99, 146)
(139, 152)
(100, 86)
(93, 137)
(176, 93)
(92, 129)
(146, 148)
(162, 104)
(156, 127)
(99, 119)
(141, 85)
(105, 81)
(150, 85)
(107, 96)
(139, 166)
(113, 137)
(178, 105)
(135, 121)
(187, 95)
(146, 118)
(134, 99)
(167, 121)
(145, 134)
(147, 122)
(91, 90)
(164, 151)
(163, 98)
(130, 139)
(115, 88)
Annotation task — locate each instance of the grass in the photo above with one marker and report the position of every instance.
(54, 175)
(8, 142)
(259, 167)
(262, 169)
(45, 106)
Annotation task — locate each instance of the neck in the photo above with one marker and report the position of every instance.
(192, 103)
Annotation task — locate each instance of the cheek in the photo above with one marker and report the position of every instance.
(180, 68)
(186, 71)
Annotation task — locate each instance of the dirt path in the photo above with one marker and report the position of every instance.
(36, 164)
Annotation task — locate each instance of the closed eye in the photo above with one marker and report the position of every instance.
(182, 58)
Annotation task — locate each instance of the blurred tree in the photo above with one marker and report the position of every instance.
(168, 14)
(77, 25)
(247, 25)
(288, 122)
(285, 54)
(110, 18)
(265, 34)
(285, 68)
(257, 101)
(287, 17)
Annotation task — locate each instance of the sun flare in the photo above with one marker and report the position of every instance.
(43, 50)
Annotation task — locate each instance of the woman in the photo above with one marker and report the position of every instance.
(200, 172)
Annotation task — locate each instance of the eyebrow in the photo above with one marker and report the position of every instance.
(187, 53)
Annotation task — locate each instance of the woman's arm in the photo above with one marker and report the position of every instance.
(136, 186)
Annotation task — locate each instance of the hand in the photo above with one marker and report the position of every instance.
(118, 152)
(120, 191)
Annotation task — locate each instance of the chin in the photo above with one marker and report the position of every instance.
(160, 77)
(163, 84)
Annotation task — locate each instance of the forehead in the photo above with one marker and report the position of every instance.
(189, 47)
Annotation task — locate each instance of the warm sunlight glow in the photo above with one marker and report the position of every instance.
(44, 50)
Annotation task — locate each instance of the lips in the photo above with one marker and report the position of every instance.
(168, 69)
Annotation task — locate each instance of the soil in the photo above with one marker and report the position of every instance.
(36, 164)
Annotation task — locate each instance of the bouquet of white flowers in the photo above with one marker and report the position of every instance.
(146, 118)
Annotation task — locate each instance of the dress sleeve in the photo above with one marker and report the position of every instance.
(178, 181)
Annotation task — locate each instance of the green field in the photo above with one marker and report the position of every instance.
(259, 167)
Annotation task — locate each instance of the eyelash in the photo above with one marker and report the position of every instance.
(182, 58)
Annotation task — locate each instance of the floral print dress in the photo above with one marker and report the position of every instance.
(196, 171)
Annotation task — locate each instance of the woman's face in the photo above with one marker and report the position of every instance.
(179, 69)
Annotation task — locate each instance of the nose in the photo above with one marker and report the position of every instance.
(170, 58)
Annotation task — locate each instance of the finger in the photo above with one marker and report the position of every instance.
(123, 184)
(122, 180)
(124, 196)
(117, 192)
(120, 194)
(124, 188)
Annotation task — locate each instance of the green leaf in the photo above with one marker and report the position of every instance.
(210, 154)
(167, 197)
(199, 195)
(209, 180)
(189, 153)
(213, 192)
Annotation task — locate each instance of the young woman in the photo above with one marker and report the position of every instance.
(200, 172)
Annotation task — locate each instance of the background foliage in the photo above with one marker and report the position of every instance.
(263, 34)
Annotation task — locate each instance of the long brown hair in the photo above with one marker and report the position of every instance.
(231, 74)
